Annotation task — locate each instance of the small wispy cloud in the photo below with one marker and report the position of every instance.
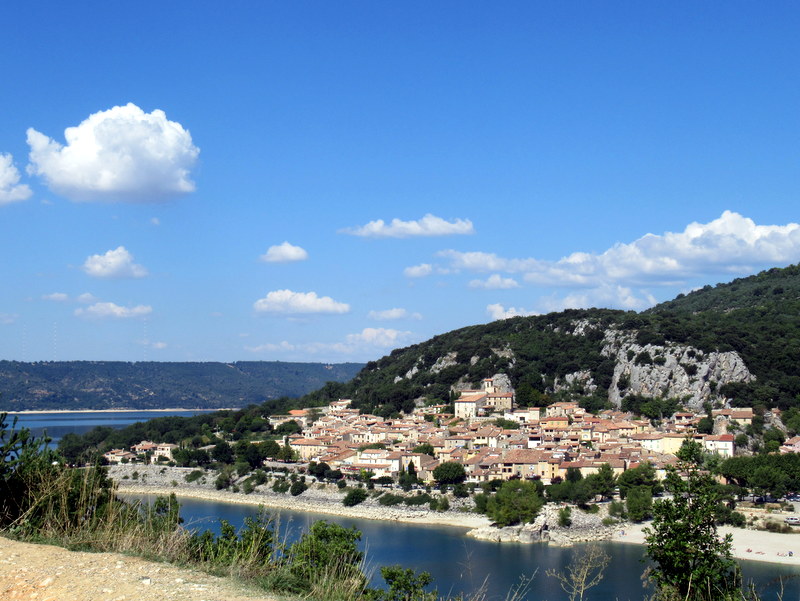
(393, 314)
(113, 311)
(495, 282)
(497, 311)
(57, 297)
(418, 271)
(429, 225)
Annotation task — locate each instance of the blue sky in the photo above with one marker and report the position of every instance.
(326, 181)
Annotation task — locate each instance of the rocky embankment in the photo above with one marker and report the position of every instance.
(585, 527)
(318, 498)
(327, 499)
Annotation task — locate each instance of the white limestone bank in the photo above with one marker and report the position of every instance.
(319, 498)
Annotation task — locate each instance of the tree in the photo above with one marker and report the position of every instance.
(449, 472)
(222, 452)
(327, 550)
(639, 503)
(603, 482)
(643, 475)
(289, 427)
(516, 501)
(583, 572)
(425, 448)
(691, 560)
(705, 425)
(270, 448)
(404, 585)
(286, 454)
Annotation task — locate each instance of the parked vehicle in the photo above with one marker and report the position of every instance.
(792, 520)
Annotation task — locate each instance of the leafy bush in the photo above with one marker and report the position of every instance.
(354, 496)
(565, 517)
(516, 501)
(416, 500)
(281, 486)
(298, 488)
(193, 475)
(390, 499)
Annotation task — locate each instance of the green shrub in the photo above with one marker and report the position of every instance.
(354, 496)
(280, 486)
(565, 517)
(617, 509)
(298, 488)
(193, 475)
(390, 499)
(416, 500)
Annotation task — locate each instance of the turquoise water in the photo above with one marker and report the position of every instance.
(462, 564)
(58, 424)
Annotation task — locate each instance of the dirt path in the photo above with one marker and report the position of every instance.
(47, 573)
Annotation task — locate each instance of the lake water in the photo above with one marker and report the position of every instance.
(462, 564)
(58, 424)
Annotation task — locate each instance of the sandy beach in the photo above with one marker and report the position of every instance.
(753, 545)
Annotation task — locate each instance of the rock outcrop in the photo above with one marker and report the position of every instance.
(672, 370)
(585, 527)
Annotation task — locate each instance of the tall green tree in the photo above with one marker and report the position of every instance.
(691, 560)
(515, 502)
(449, 472)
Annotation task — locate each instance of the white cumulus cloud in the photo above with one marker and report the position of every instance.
(10, 188)
(284, 253)
(729, 244)
(116, 263)
(121, 154)
(363, 343)
(393, 314)
(495, 282)
(8, 318)
(289, 302)
(497, 311)
(429, 225)
(617, 296)
(378, 337)
(113, 311)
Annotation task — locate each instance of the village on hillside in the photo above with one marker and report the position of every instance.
(490, 437)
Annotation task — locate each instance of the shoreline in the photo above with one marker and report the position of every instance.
(748, 545)
(77, 411)
(430, 518)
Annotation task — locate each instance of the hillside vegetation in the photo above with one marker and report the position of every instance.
(154, 385)
(737, 342)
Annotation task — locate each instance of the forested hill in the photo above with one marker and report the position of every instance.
(156, 385)
(736, 343)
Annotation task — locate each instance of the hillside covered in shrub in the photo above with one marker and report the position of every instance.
(153, 385)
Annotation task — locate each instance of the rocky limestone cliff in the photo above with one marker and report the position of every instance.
(673, 370)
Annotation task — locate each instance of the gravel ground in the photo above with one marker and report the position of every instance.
(47, 573)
